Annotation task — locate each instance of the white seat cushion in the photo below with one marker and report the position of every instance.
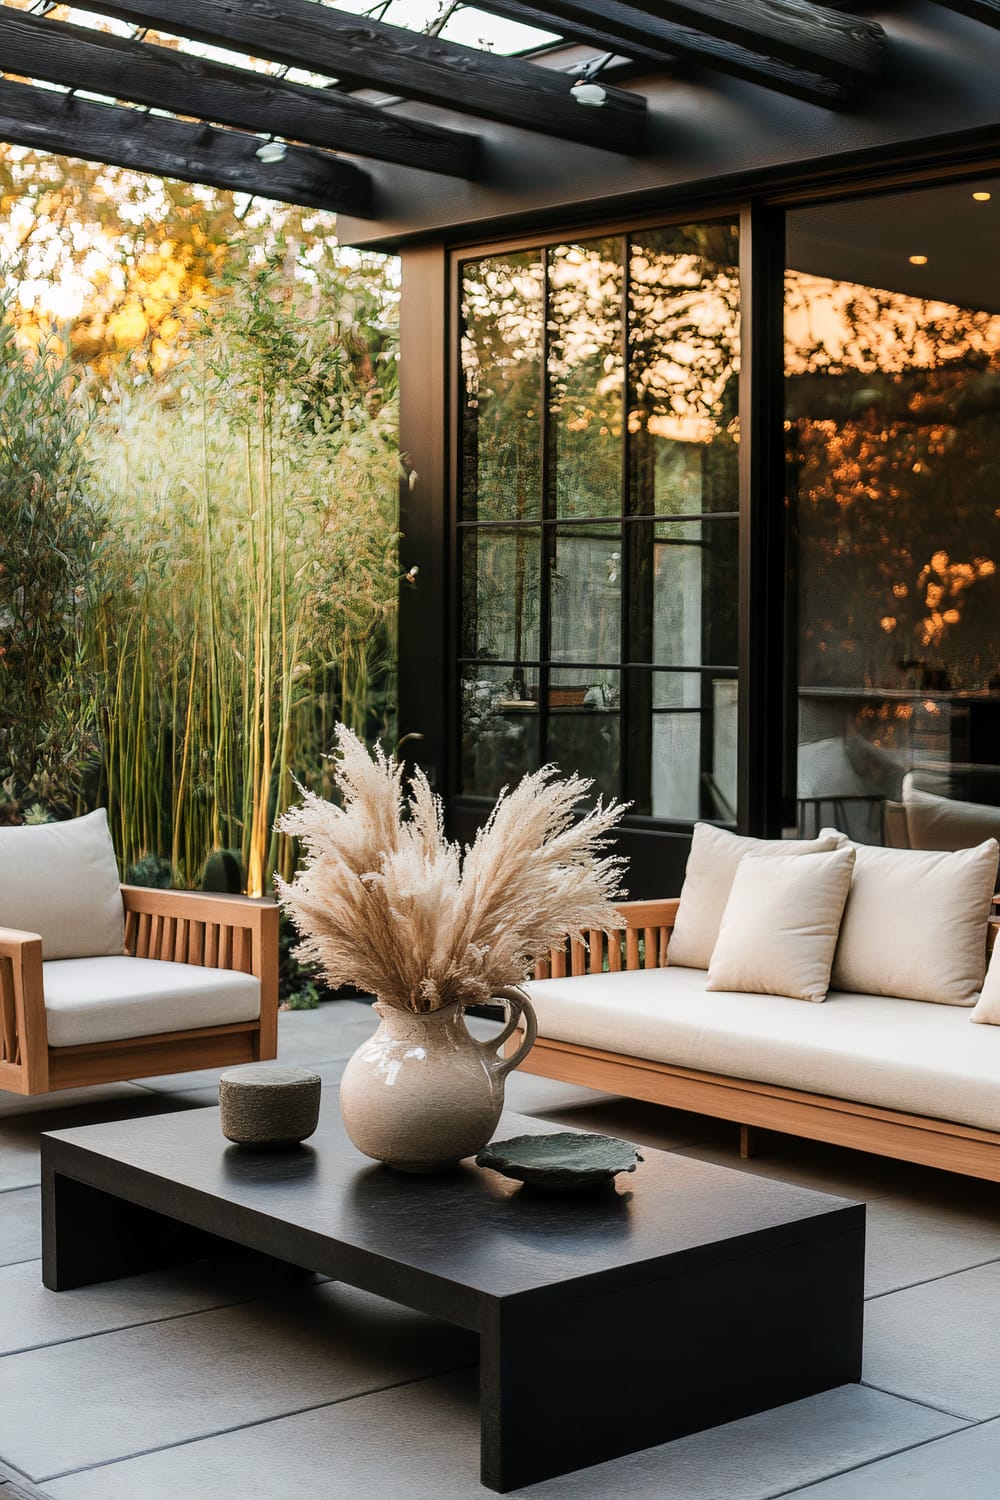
(61, 881)
(899, 1054)
(110, 999)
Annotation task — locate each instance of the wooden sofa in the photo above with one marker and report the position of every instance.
(864, 1126)
(210, 931)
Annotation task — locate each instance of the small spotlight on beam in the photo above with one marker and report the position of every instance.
(588, 93)
(271, 151)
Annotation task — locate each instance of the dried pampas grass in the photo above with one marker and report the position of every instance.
(385, 902)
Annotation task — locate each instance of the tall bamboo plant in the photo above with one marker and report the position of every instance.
(249, 604)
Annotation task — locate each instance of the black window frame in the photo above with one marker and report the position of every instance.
(636, 673)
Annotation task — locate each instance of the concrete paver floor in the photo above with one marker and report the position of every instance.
(232, 1382)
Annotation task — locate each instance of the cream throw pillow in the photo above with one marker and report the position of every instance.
(780, 926)
(712, 864)
(988, 1005)
(915, 923)
(945, 823)
(61, 880)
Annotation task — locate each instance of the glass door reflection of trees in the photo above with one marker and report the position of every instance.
(892, 407)
(597, 522)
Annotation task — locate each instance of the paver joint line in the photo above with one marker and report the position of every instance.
(929, 1280)
(869, 1463)
(945, 1411)
(204, 1437)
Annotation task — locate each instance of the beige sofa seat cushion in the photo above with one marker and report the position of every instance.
(915, 924)
(708, 878)
(110, 999)
(898, 1054)
(61, 881)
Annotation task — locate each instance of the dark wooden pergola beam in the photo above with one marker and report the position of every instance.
(44, 120)
(806, 35)
(302, 33)
(987, 11)
(617, 26)
(144, 73)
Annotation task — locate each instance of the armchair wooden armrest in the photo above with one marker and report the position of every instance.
(641, 944)
(24, 1052)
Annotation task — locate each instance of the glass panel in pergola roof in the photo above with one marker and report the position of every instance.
(476, 28)
(456, 23)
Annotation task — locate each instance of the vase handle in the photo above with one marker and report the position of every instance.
(520, 1006)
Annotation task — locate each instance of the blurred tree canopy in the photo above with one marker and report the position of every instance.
(198, 523)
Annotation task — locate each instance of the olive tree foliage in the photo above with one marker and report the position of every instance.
(52, 534)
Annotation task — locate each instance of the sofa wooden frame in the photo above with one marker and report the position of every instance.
(218, 932)
(865, 1127)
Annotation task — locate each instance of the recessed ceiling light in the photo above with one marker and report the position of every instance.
(982, 197)
(918, 260)
(271, 151)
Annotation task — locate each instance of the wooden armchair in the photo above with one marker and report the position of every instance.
(222, 933)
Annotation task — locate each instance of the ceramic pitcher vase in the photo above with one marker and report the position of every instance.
(423, 1092)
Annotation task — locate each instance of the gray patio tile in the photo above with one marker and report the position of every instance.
(33, 1316)
(646, 1124)
(828, 1169)
(19, 1134)
(938, 1342)
(189, 1098)
(966, 1464)
(18, 1155)
(20, 1225)
(121, 1393)
(914, 1239)
(306, 1038)
(762, 1456)
(23, 1104)
(422, 1441)
(193, 1096)
(530, 1095)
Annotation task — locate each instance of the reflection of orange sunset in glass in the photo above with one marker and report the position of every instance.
(892, 405)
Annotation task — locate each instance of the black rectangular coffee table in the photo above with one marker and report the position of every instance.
(687, 1296)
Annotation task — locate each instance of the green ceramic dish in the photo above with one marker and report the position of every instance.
(565, 1162)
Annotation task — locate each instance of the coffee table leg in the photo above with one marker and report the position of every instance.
(545, 1405)
(567, 1384)
(90, 1235)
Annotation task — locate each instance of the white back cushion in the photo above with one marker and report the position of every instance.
(944, 823)
(61, 880)
(915, 923)
(780, 926)
(708, 878)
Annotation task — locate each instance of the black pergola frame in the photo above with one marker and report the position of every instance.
(797, 47)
